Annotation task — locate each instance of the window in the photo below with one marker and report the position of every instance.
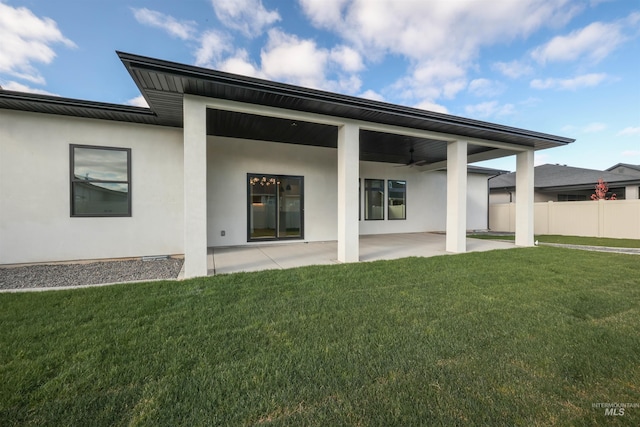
(397, 199)
(374, 199)
(100, 181)
(275, 207)
(571, 197)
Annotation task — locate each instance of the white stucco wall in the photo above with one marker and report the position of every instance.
(35, 221)
(477, 202)
(229, 160)
(425, 202)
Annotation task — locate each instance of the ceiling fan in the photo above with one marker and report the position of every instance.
(412, 162)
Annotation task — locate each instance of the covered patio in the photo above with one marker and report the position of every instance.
(211, 105)
(224, 260)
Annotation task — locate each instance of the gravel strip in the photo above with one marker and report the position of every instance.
(58, 275)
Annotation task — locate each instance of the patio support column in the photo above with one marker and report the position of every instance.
(195, 188)
(456, 197)
(524, 198)
(348, 175)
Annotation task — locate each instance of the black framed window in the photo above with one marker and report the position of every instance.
(373, 199)
(275, 207)
(397, 204)
(100, 181)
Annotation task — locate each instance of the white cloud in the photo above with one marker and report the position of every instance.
(27, 40)
(240, 64)
(437, 28)
(441, 39)
(286, 58)
(489, 109)
(513, 69)
(432, 80)
(372, 95)
(347, 58)
(432, 106)
(585, 80)
(349, 84)
(19, 87)
(247, 16)
(631, 153)
(184, 30)
(530, 102)
(213, 45)
(324, 13)
(594, 127)
(540, 158)
(629, 131)
(138, 101)
(486, 87)
(289, 58)
(595, 41)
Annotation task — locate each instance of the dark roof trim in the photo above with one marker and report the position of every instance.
(50, 104)
(165, 99)
(132, 61)
(485, 171)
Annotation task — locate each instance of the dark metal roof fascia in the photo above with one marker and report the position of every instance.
(486, 171)
(71, 102)
(25, 97)
(317, 95)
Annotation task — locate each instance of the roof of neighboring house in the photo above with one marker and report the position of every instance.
(564, 177)
(163, 84)
(625, 168)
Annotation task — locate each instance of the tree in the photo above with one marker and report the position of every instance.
(602, 188)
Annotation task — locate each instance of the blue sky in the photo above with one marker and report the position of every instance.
(569, 68)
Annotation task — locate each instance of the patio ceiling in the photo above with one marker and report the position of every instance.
(374, 146)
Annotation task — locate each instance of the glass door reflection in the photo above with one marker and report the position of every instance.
(290, 212)
(275, 207)
(262, 208)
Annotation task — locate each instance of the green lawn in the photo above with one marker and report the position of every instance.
(569, 240)
(524, 337)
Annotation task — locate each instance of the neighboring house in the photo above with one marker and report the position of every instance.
(221, 160)
(625, 169)
(561, 183)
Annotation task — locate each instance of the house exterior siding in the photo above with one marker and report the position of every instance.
(35, 220)
(229, 160)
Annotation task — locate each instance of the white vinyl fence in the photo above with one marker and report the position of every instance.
(604, 218)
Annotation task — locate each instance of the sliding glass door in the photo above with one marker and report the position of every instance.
(275, 207)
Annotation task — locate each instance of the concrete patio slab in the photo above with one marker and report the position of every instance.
(374, 247)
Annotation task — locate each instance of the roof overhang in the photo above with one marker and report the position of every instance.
(388, 132)
(47, 104)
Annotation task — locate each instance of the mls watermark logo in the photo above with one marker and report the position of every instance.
(615, 409)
